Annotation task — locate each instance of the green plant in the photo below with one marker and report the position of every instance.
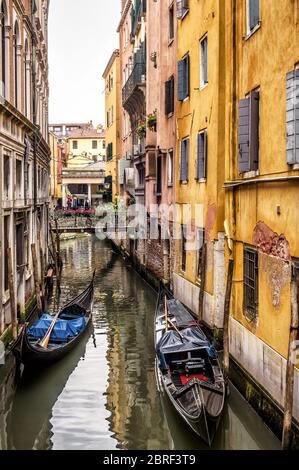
(152, 120)
(141, 129)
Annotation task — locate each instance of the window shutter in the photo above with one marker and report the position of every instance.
(181, 88)
(254, 130)
(243, 137)
(187, 76)
(205, 60)
(172, 95)
(184, 159)
(201, 172)
(167, 97)
(296, 92)
(254, 13)
(290, 119)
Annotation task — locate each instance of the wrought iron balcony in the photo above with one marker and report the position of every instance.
(138, 11)
(136, 79)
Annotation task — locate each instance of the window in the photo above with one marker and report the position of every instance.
(27, 73)
(182, 8)
(18, 179)
(184, 251)
(292, 113)
(141, 176)
(94, 144)
(159, 175)
(251, 287)
(171, 22)
(6, 176)
(204, 62)
(16, 65)
(169, 96)
(253, 15)
(201, 167)
(184, 78)
(184, 160)
(200, 251)
(109, 152)
(75, 144)
(6, 246)
(170, 168)
(3, 63)
(248, 139)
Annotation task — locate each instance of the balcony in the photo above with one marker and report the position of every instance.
(132, 91)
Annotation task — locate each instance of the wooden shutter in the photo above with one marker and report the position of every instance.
(171, 95)
(254, 130)
(296, 103)
(254, 13)
(243, 138)
(205, 60)
(181, 82)
(184, 159)
(167, 97)
(187, 76)
(151, 164)
(201, 170)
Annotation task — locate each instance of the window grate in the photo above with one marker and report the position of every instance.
(251, 291)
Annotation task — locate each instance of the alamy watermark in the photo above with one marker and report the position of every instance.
(158, 222)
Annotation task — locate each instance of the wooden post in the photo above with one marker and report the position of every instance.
(202, 280)
(58, 248)
(229, 285)
(289, 389)
(36, 278)
(42, 269)
(55, 257)
(12, 294)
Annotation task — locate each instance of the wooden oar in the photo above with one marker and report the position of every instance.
(173, 326)
(44, 343)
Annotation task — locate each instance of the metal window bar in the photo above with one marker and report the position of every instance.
(251, 283)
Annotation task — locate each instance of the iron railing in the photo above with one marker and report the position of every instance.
(137, 78)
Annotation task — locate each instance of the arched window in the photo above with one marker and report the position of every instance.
(27, 87)
(17, 57)
(4, 58)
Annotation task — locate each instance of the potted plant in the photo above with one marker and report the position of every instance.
(141, 130)
(152, 121)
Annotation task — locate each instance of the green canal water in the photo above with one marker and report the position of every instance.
(104, 395)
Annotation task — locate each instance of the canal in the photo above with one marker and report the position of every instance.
(104, 394)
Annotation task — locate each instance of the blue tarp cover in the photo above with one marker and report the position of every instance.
(63, 329)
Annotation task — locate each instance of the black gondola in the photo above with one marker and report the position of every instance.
(187, 367)
(28, 350)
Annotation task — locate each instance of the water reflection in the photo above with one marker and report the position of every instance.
(104, 394)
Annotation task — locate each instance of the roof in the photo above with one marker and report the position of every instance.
(87, 134)
(71, 124)
(114, 55)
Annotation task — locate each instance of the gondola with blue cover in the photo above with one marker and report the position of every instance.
(65, 331)
(187, 367)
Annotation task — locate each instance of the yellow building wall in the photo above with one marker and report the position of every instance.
(263, 60)
(204, 109)
(113, 99)
(76, 157)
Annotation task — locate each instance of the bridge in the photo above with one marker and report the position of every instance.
(78, 221)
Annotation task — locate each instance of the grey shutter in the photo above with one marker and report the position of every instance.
(243, 137)
(181, 73)
(254, 13)
(290, 119)
(254, 130)
(205, 60)
(187, 76)
(184, 159)
(167, 97)
(201, 172)
(296, 102)
(171, 95)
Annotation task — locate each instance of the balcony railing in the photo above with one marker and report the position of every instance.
(137, 78)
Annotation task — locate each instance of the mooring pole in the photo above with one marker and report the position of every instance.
(36, 278)
(11, 285)
(42, 269)
(55, 258)
(229, 285)
(203, 266)
(289, 389)
(58, 248)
